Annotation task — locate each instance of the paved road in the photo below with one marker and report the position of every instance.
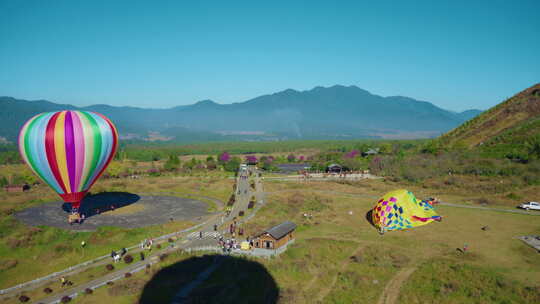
(151, 210)
(191, 240)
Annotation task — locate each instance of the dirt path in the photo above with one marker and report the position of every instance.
(391, 290)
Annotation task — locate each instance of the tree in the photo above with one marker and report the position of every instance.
(191, 164)
(172, 164)
(232, 165)
(291, 158)
(251, 159)
(533, 146)
(352, 154)
(3, 181)
(224, 157)
(114, 169)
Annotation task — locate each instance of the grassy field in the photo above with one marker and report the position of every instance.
(340, 258)
(21, 246)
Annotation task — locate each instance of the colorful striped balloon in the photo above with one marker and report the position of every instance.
(69, 150)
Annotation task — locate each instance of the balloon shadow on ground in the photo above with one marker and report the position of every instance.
(103, 202)
(211, 279)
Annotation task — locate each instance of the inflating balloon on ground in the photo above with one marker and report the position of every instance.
(68, 150)
(400, 209)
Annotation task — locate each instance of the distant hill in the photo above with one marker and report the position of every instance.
(507, 126)
(337, 112)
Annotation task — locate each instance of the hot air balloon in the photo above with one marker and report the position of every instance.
(400, 209)
(68, 150)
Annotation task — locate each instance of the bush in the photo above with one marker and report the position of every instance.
(158, 246)
(483, 201)
(162, 257)
(47, 290)
(127, 274)
(241, 213)
(24, 299)
(65, 299)
(109, 267)
(88, 291)
(128, 259)
(110, 283)
(513, 196)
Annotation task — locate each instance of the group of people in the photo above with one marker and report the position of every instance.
(228, 244)
(117, 256)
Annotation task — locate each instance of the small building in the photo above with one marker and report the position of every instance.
(275, 237)
(292, 168)
(370, 151)
(334, 168)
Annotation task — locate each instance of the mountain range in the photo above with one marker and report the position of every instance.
(337, 112)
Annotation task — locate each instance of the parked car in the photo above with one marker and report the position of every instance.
(530, 205)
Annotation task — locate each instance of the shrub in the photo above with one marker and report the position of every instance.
(163, 256)
(241, 213)
(47, 290)
(110, 283)
(88, 291)
(158, 246)
(251, 204)
(128, 259)
(8, 264)
(65, 299)
(513, 196)
(483, 201)
(127, 274)
(24, 299)
(109, 267)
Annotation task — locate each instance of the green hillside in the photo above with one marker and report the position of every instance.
(512, 128)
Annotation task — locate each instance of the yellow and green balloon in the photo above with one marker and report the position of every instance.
(400, 209)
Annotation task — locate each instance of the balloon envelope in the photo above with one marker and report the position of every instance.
(399, 209)
(69, 150)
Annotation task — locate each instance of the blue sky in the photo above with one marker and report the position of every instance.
(458, 54)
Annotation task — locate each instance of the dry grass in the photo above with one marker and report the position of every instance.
(341, 258)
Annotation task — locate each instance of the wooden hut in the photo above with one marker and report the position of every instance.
(275, 237)
(334, 168)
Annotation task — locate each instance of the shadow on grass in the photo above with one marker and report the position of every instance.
(103, 202)
(369, 218)
(211, 279)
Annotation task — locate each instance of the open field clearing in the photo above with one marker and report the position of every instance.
(338, 256)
